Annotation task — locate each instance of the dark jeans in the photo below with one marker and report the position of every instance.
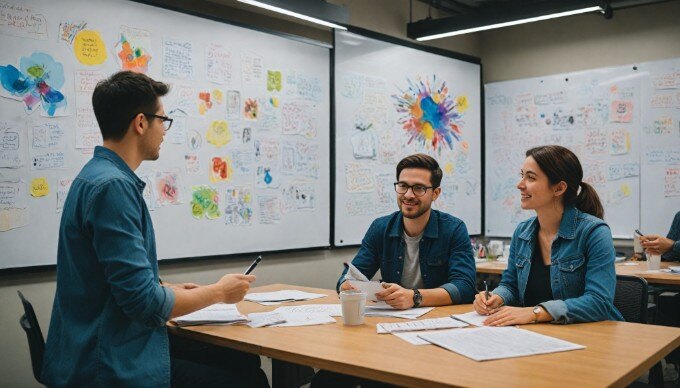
(195, 364)
(324, 378)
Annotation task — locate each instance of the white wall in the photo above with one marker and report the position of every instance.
(581, 42)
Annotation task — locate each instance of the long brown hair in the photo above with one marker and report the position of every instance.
(560, 164)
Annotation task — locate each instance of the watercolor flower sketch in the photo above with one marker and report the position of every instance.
(37, 81)
(430, 115)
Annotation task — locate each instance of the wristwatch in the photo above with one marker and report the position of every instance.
(417, 298)
(537, 311)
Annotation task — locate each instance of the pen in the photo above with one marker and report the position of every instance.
(252, 265)
(486, 290)
(639, 233)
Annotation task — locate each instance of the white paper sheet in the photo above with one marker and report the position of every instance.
(413, 338)
(265, 319)
(370, 288)
(493, 343)
(220, 313)
(472, 318)
(282, 296)
(418, 325)
(334, 310)
(388, 311)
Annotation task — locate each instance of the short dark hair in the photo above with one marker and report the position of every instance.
(560, 164)
(117, 99)
(422, 161)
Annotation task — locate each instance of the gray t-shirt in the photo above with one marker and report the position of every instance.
(410, 276)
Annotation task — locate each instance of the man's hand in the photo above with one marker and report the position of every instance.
(655, 244)
(234, 286)
(346, 286)
(396, 296)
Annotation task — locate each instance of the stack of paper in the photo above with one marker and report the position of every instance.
(413, 337)
(472, 318)
(423, 324)
(288, 319)
(385, 310)
(493, 343)
(277, 297)
(217, 314)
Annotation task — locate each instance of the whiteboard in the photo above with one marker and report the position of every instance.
(251, 129)
(375, 83)
(660, 145)
(626, 146)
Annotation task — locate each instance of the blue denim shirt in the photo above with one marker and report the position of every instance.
(582, 271)
(109, 313)
(674, 234)
(445, 254)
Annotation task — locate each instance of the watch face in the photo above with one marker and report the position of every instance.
(537, 310)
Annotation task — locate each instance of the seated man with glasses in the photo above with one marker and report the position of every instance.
(424, 255)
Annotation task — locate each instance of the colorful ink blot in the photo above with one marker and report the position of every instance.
(37, 81)
(251, 109)
(205, 202)
(430, 115)
(132, 58)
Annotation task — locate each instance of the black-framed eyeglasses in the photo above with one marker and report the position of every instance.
(167, 121)
(418, 190)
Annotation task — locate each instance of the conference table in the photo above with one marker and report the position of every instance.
(616, 353)
(627, 267)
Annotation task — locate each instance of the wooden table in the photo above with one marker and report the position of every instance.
(616, 352)
(636, 268)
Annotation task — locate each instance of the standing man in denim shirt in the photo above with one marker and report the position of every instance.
(110, 309)
(424, 255)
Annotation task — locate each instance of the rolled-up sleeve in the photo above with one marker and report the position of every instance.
(461, 275)
(114, 217)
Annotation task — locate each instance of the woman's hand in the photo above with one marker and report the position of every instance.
(485, 306)
(508, 316)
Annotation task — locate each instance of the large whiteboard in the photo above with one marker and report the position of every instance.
(376, 85)
(660, 145)
(249, 141)
(606, 117)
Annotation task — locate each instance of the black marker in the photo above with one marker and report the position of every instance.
(253, 265)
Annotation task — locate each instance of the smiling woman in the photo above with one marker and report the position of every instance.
(561, 264)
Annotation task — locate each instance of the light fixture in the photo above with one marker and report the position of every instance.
(499, 17)
(315, 11)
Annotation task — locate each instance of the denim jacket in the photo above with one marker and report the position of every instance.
(582, 271)
(674, 234)
(445, 254)
(109, 312)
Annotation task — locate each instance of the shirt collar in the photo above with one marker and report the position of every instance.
(567, 225)
(431, 229)
(105, 153)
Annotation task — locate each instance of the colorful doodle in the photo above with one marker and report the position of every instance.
(38, 82)
(205, 202)
(430, 115)
(133, 58)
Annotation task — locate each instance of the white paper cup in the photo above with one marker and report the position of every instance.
(653, 262)
(353, 305)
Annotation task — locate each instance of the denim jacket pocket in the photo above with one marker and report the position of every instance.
(572, 273)
(436, 260)
(521, 263)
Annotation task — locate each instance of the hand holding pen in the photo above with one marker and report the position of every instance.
(487, 303)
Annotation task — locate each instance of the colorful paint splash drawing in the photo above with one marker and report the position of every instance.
(37, 81)
(131, 57)
(167, 188)
(251, 109)
(218, 134)
(205, 202)
(220, 169)
(430, 115)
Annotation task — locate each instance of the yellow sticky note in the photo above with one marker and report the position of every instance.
(89, 48)
(40, 187)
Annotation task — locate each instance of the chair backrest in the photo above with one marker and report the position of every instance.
(36, 341)
(631, 298)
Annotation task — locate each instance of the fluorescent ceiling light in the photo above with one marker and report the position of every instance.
(288, 12)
